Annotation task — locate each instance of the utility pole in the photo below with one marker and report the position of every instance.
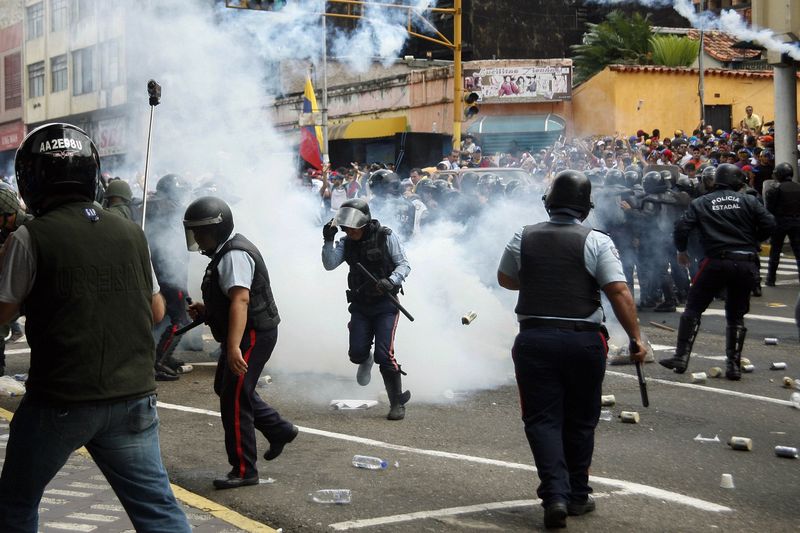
(701, 86)
(458, 89)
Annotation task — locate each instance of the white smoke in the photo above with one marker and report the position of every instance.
(212, 120)
(729, 21)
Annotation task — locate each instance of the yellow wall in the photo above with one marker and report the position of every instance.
(607, 103)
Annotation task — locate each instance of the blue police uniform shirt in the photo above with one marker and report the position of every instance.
(333, 256)
(599, 255)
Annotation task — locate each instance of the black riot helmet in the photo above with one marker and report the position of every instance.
(353, 213)
(384, 183)
(632, 178)
(571, 189)
(120, 189)
(55, 160)
(653, 183)
(783, 172)
(173, 187)
(207, 214)
(729, 176)
(469, 182)
(614, 177)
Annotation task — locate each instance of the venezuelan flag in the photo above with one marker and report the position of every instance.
(310, 136)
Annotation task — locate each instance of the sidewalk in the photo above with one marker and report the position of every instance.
(80, 499)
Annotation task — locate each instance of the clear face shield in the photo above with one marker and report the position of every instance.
(198, 233)
(350, 217)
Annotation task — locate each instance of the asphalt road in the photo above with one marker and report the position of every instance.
(463, 464)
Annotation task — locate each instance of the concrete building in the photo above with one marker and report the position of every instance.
(74, 69)
(12, 128)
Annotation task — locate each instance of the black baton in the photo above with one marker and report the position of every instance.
(633, 348)
(191, 325)
(391, 296)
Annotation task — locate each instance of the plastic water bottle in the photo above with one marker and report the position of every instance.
(795, 398)
(338, 496)
(370, 463)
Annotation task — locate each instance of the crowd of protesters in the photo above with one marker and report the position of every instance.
(642, 184)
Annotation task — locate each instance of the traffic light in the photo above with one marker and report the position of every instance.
(471, 109)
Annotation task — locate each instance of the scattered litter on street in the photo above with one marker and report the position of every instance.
(701, 438)
(346, 405)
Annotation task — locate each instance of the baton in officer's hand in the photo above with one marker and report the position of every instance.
(633, 348)
(391, 296)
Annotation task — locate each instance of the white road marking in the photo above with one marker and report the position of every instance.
(53, 501)
(665, 348)
(634, 487)
(450, 511)
(66, 526)
(92, 517)
(107, 507)
(18, 351)
(81, 485)
(721, 312)
(725, 392)
(71, 493)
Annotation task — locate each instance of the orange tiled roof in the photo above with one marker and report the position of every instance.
(730, 73)
(719, 45)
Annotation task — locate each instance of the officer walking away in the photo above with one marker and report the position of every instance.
(783, 202)
(118, 198)
(731, 226)
(559, 268)
(373, 316)
(84, 279)
(239, 308)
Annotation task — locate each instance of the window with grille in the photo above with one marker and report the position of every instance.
(109, 64)
(82, 71)
(58, 73)
(35, 20)
(81, 9)
(12, 74)
(36, 79)
(59, 12)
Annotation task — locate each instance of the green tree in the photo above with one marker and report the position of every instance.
(617, 40)
(674, 51)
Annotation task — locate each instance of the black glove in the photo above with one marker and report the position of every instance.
(328, 231)
(384, 286)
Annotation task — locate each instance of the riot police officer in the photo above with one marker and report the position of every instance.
(171, 264)
(559, 268)
(388, 202)
(373, 316)
(117, 198)
(783, 202)
(84, 279)
(239, 308)
(13, 217)
(731, 226)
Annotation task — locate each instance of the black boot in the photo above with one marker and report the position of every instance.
(397, 398)
(166, 346)
(364, 372)
(687, 332)
(734, 342)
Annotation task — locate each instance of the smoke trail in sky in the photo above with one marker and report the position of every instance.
(729, 21)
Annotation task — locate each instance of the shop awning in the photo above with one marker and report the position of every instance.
(504, 133)
(367, 129)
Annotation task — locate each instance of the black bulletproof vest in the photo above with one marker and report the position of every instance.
(372, 252)
(788, 204)
(553, 277)
(262, 313)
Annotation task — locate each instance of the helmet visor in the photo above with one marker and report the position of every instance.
(350, 217)
(192, 226)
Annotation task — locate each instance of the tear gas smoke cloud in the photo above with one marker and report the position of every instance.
(210, 64)
(729, 21)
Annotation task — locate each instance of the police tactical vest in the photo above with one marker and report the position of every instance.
(262, 313)
(89, 317)
(553, 277)
(372, 252)
(787, 200)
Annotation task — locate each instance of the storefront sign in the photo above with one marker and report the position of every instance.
(111, 136)
(534, 83)
(11, 135)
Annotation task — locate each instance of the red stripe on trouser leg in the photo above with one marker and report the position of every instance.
(237, 407)
(605, 344)
(391, 343)
(703, 264)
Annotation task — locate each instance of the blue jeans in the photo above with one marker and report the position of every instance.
(122, 438)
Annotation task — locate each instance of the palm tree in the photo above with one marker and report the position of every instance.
(674, 51)
(618, 39)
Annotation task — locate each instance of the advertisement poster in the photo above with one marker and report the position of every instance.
(535, 83)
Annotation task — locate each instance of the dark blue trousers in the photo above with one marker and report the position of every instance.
(560, 378)
(736, 276)
(242, 409)
(376, 321)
